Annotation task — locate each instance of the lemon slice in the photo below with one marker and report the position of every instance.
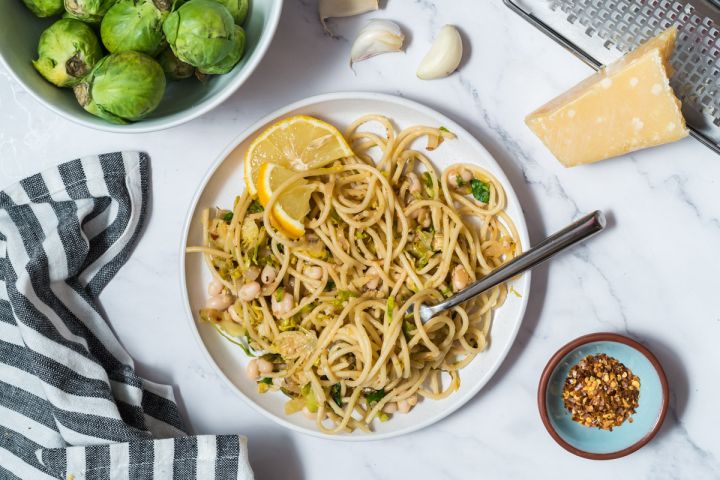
(293, 205)
(298, 143)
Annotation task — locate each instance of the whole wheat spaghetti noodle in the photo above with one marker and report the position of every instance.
(326, 316)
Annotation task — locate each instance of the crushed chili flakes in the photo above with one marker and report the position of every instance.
(601, 392)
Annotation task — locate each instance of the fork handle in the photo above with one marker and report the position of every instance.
(574, 233)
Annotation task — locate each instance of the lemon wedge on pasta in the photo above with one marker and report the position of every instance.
(293, 204)
(297, 143)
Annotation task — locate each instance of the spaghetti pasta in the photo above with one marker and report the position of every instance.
(326, 313)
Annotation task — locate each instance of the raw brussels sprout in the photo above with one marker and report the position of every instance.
(90, 11)
(68, 50)
(45, 8)
(174, 69)
(237, 8)
(123, 87)
(232, 58)
(200, 32)
(134, 25)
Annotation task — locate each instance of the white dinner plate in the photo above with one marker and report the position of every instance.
(225, 180)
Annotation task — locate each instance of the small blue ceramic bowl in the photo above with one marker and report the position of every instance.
(595, 443)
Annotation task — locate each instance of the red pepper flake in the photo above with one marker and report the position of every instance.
(601, 392)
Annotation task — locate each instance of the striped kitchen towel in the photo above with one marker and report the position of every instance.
(71, 404)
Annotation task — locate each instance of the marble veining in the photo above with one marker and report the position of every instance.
(652, 275)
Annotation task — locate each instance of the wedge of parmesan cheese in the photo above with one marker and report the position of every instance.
(626, 106)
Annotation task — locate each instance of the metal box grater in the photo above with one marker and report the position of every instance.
(600, 31)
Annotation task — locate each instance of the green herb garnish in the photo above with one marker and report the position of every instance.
(336, 394)
(255, 207)
(444, 129)
(374, 396)
(279, 294)
(480, 190)
(266, 381)
(228, 217)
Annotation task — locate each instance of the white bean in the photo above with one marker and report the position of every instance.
(374, 281)
(268, 275)
(390, 407)
(219, 302)
(414, 182)
(215, 287)
(280, 308)
(404, 406)
(460, 278)
(424, 218)
(466, 175)
(265, 367)
(252, 370)
(452, 178)
(313, 272)
(249, 291)
(251, 274)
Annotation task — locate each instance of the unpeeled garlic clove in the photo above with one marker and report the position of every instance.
(444, 55)
(378, 36)
(344, 8)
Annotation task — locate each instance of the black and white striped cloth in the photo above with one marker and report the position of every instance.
(71, 404)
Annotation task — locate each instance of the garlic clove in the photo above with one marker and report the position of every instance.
(378, 36)
(344, 8)
(444, 55)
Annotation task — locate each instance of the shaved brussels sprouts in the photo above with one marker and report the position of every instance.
(123, 87)
(68, 50)
(134, 25)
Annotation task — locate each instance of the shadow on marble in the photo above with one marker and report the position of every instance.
(677, 381)
(273, 455)
(467, 47)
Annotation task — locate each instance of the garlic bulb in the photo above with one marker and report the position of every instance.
(344, 8)
(378, 36)
(444, 55)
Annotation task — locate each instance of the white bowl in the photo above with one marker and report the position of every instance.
(225, 180)
(183, 101)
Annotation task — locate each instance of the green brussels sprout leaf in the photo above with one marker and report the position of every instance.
(200, 32)
(123, 87)
(91, 11)
(67, 51)
(174, 68)
(237, 8)
(45, 8)
(134, 25)
(232, 58)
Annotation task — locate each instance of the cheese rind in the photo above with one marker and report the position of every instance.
(626, 106)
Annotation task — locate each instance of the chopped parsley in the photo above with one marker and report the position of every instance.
(336, 394)
(228, 217)
(374, 396)
(255, 207)
(480, 190)
(266, 381)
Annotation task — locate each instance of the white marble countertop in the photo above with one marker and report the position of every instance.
(650, 276)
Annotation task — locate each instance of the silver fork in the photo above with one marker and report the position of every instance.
(574, 233)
